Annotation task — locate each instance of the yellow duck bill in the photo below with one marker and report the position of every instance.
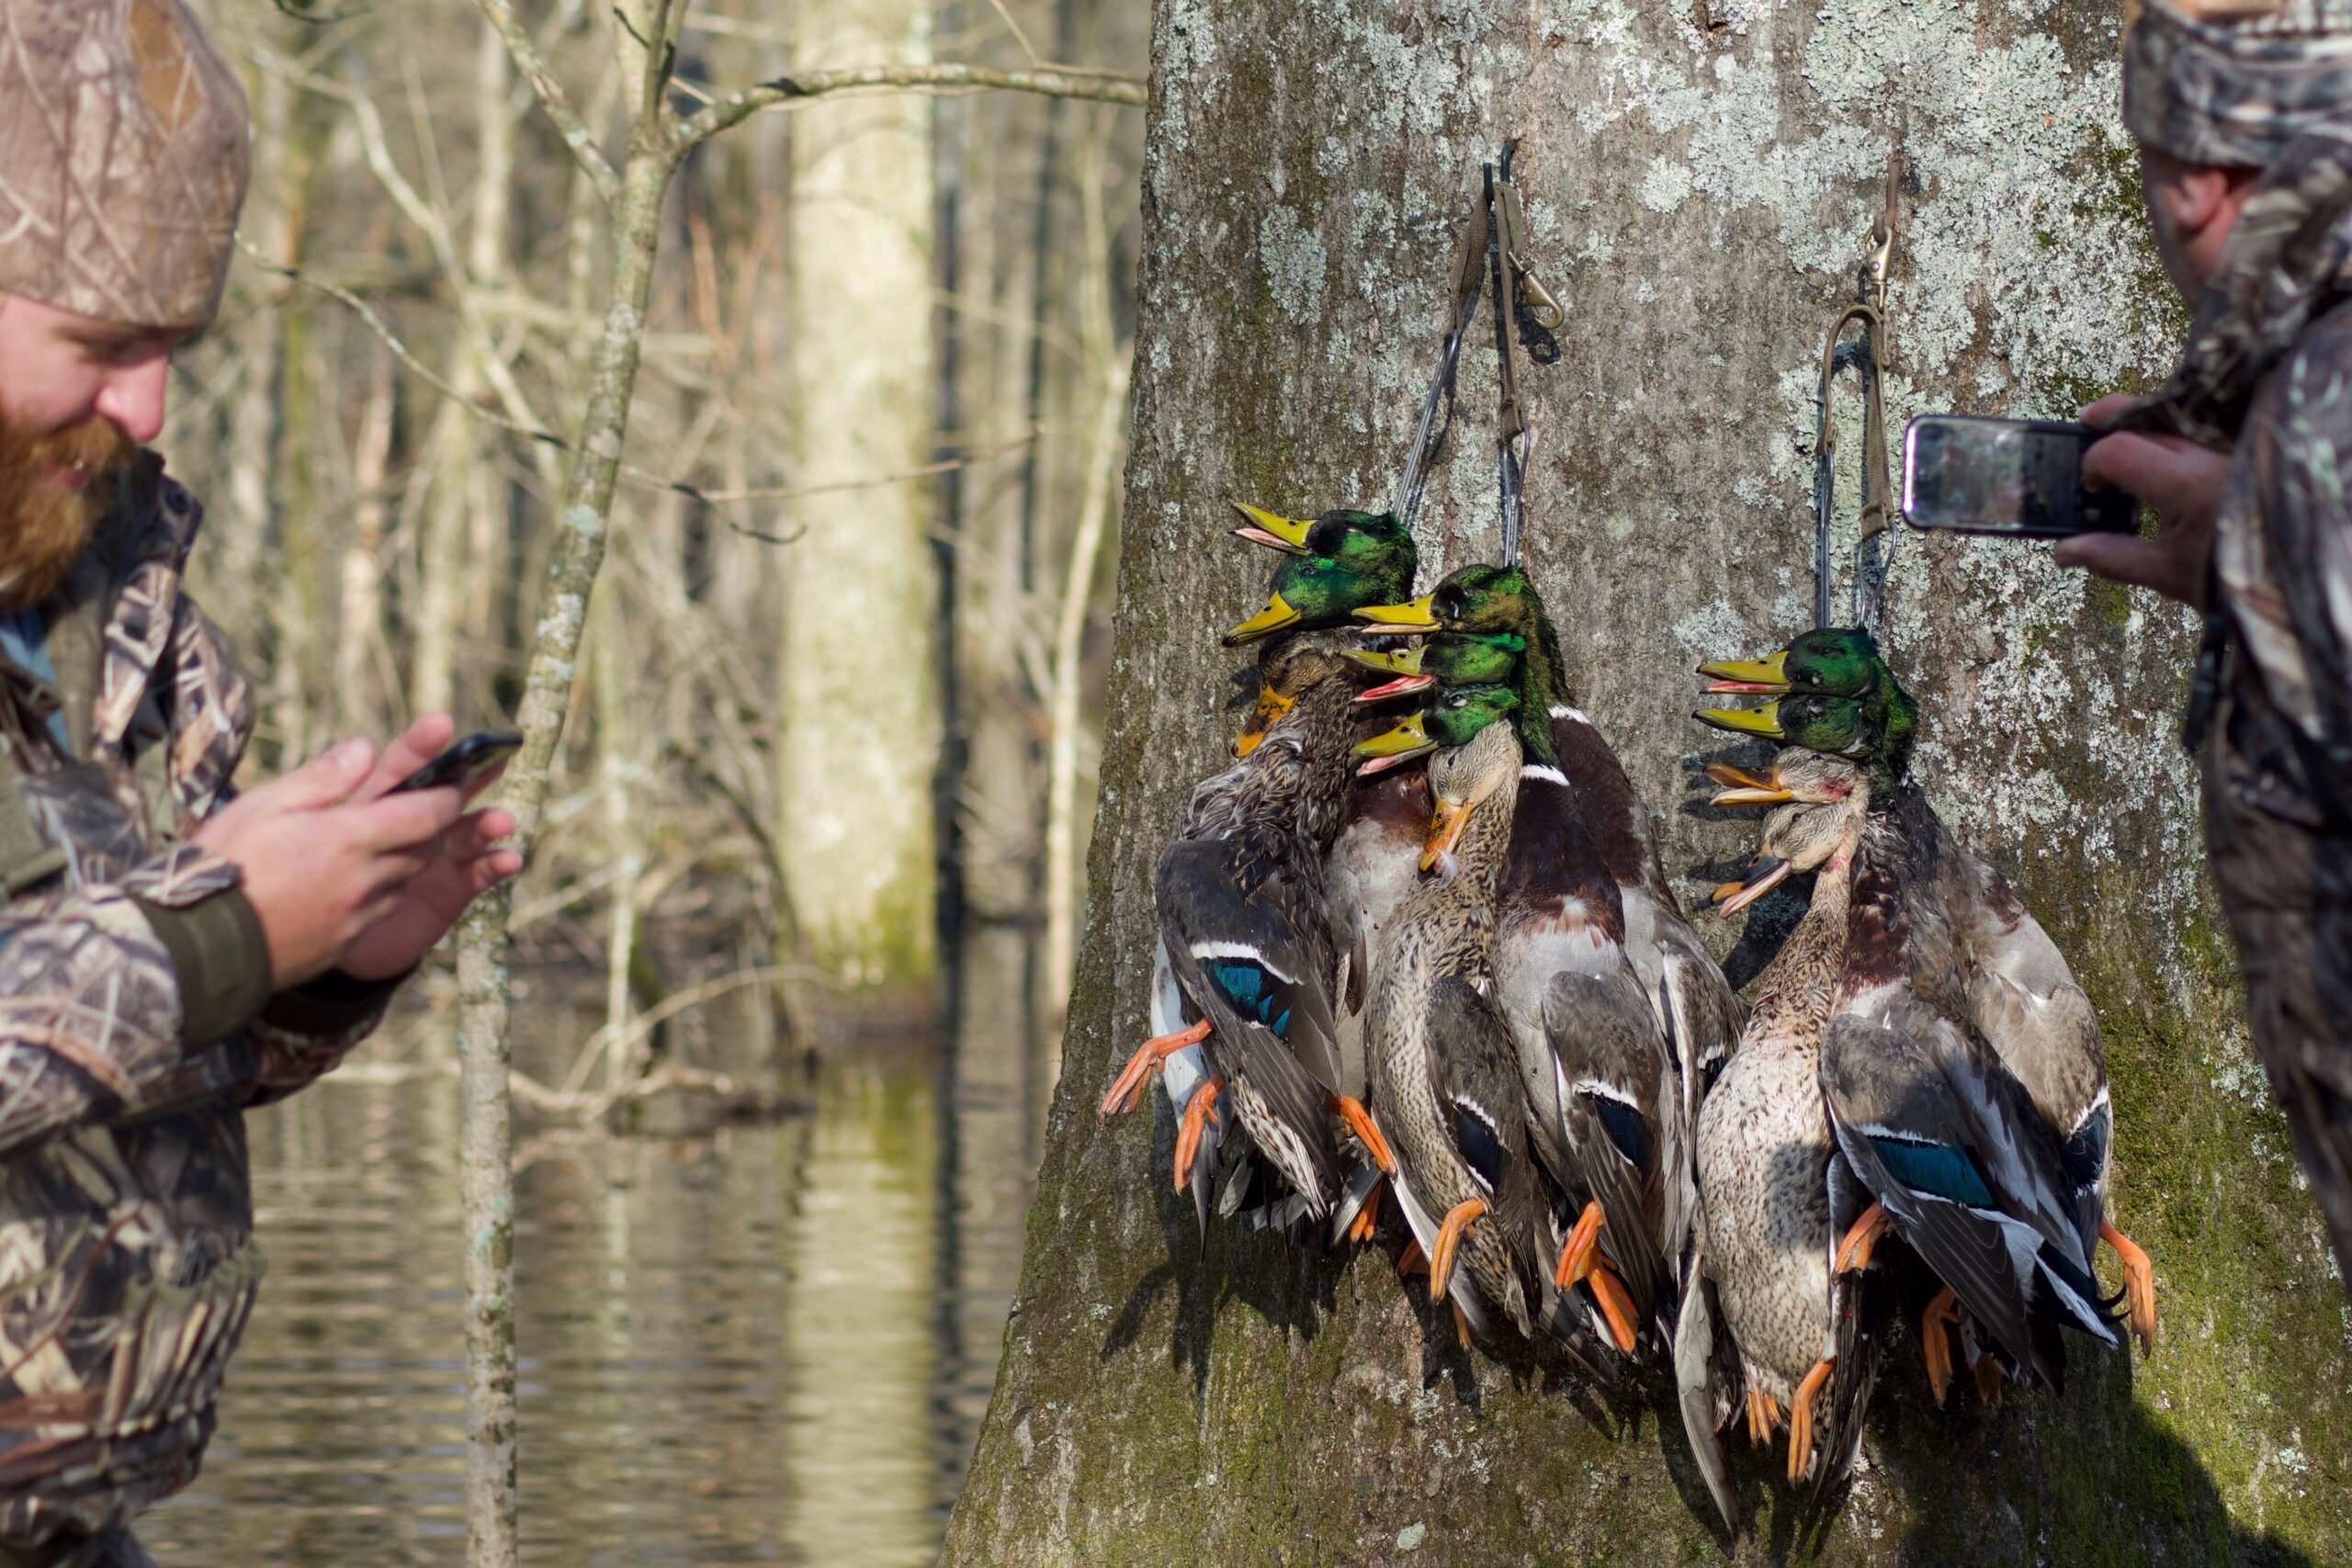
(1271, 706)
(1742, 787)
(1766, 874)
(1764, 721)
(1394, 747)
(1749, 675)
(1277, 614)
(1410, 619)
(1275, 532)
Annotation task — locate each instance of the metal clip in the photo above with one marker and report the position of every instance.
(1871, 277)
(1528, 294)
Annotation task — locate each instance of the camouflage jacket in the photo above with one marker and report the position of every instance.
(135, 1026)
(2268, 369)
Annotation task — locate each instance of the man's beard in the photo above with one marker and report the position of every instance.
(54, 490)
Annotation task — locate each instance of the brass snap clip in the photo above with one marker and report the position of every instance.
(1527, 293)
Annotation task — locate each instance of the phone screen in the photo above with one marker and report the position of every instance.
(465, 761)
(2016, 476)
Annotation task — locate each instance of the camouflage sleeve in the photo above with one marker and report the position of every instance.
(299, 1034)
(91, 1021)
(2283, 543)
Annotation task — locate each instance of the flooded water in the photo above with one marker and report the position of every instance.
(768, 1344)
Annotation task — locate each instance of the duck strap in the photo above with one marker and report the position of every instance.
(1469, 282)
(1866, 354)
(1512, 437)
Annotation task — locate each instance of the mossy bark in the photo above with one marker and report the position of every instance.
(1699, 183)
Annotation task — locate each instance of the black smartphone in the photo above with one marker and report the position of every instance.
(465, 762)
(2013, 477)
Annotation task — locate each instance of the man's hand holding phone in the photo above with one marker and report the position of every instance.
(2181, 480)
(346, 871)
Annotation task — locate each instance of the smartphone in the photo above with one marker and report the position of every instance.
(2013, 477)
(466, 762)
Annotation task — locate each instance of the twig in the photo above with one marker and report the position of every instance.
(946, 464)
(706, 123)
(550, 92)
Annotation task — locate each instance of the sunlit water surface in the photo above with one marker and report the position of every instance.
(766, 1344)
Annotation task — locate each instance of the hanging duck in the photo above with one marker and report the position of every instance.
(1244, 952)
(1767, 1321)
(1618, 1013)
(1963, 1068)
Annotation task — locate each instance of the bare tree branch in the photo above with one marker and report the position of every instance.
(550, 92)
(737, 107)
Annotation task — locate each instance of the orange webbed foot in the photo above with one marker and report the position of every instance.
(2139, 1283)
(1616, 1306)
(1989, 1382)
(1198, 1113)
(1413, 1260)
(1461, 1324)
(1351, 1110)
(1935, 1344)
(1763, 1414)
(1449, 1244)
(1854, 1252)
(1576, 1253)
(1801, 1419)
(1367, 1218)
(1127, 1087)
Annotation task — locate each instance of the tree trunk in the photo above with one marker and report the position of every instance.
(1700, 183)
(860, 736)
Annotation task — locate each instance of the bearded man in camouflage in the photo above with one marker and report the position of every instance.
(171, 952)
(2243, 115)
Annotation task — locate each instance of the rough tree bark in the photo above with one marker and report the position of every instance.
(1700, 179)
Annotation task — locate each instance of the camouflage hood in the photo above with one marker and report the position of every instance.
(2232, 82)
(2289, 261)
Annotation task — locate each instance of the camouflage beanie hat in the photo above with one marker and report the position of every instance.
(2230, 83)
(122, 160)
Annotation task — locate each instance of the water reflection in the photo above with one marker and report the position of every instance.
(761, 1344)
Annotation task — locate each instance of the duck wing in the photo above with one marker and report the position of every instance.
(1707, 1370)
(1616, 1091)
(1240, 953)
(1962, 1165)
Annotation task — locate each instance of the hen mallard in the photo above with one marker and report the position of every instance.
(1766, 1317)
(1618, 1012)
(1964, 1069)
(1443, 1074)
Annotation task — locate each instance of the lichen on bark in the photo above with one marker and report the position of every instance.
(1700, 179)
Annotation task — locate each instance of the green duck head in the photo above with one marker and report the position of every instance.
(1457, 714)
(1335, 564)
(1487, 601)
(1444, 659)
(1833, 694)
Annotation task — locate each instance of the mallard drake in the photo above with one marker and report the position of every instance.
(1966, 1066)
(1774, 1193)
(1245, 950)
(1442, 1072)
(1618, 1011)
(1444, 659)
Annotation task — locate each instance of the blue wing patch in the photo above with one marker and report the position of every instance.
(1253, 993)
(1625, 1127)
(1940, 1170)
(1480, 1144)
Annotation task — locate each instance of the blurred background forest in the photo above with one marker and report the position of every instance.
(826, 770)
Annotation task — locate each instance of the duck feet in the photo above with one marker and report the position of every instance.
(1763, 1414)
(1616, 1306)
(1449, 1244)
(1367, 1217)
(1351, 1110)
(1127, 1087)
(1801, 1419)
(1935, 1345)
(1199, 1111)
(2139, 1283)
(1578, 1253)
(1854, 1252)
(1461, 1324)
